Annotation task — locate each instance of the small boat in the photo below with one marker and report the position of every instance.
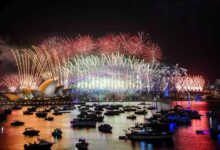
(147, 133)
(41, 114)
(98, 112)
(49, 118)
(151, 108)
(214, 132)
(66, 107)
(83, 123)
(95, 117)
(8, 111)
(31, 132)
(17, 123)
(32, 109)
(193, 114)
(111, 113)
(17, 107)
(56, 112)
(27, 112)
(41, 145)
(105, 128)
(129, 108)
(65, 111)
(200, 132)
(99, 108)
(140, 112)
(132, 117)
(122, 137)
(82, 144)
(57, 133)
(46, 110)
(180, 120)
(3, 116)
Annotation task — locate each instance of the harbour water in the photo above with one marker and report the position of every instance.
(185, 138)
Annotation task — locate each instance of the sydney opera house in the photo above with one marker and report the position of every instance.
(47, 89)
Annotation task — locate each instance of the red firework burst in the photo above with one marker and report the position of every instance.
(151, 52)
(109, 43)
(56, 46)
(83, 44)
(133, 44)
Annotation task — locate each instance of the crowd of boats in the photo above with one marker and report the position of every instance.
(156, 127)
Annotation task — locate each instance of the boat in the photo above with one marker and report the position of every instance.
(3, 116)
(17, 107)
(49, 118)
(83, 123)
(180, 120)
(41, 145)
(41, 114)
(151, 108)
(129, 108)
(46, 110)
(83, 108)
(98, 108)
(66, 107)
(95, 117)
(214, 132)
(57, 133)
(82, 144)
(27, 112)
(193, 114)
(17, 123)
(147, 133)
(64, 111)
(31, 132)
(212, 114)
(144, 103)
(140, 112)
(8, 111)
(200, 132)
(32, 109)
(111, 113)
(132, 117)
(105, 128)
(56, 112)
(113, 107)
(98, 112)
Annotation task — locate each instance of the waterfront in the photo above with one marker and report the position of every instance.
(184, 138)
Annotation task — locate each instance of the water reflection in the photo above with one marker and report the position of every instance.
(185, 137)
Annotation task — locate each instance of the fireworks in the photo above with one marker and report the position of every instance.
(108, 44)
(55, 46)
(28, 71)
(81, 45)
(175, 75)
(122, 63)
(133, 44)
(190, 83)
(11, 81)
(152, 52)
(114, 73)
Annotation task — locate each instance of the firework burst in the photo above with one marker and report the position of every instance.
(12, 82)
(82, 44)
(190, 83)
(151, 52)
(108, 44)
(28, 71)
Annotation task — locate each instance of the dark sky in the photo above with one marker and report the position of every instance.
(186, 30)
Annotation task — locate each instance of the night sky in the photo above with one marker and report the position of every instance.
(186, 30)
